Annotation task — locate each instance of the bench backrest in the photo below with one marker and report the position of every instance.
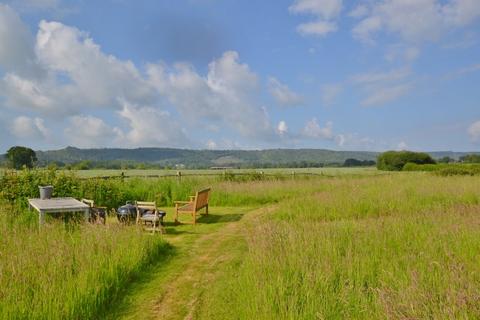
(201, 199)
(146, 205)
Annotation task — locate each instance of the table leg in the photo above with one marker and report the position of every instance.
(41, 217)
(87, 215)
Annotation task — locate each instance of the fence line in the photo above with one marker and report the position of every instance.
(180, 175)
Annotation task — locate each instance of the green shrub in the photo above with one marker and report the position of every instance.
(395, 160)
(444, 169)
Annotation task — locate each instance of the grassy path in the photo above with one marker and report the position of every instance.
(173, 288)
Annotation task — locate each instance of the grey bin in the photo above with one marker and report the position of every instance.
(45, 192)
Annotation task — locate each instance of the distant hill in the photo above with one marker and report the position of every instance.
(214, 158)
(203, 158)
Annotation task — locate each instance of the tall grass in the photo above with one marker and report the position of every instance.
(246, 190)
(401, 247)
(58, 272)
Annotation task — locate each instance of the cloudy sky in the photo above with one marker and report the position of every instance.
(222, 74)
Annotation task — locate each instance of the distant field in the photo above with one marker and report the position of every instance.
(143, 173)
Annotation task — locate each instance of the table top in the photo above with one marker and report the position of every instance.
(58, 204)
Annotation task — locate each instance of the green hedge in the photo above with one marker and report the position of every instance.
(444, 169)
(396, 160)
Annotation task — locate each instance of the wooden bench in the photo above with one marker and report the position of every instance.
(196, 203)
(153, 219)
(97, 214)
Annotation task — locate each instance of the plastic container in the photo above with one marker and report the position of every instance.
(45, 192)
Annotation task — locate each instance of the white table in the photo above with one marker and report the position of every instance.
(55, 205)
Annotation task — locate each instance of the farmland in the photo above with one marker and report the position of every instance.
(346, 243)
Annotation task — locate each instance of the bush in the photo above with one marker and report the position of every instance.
(396, 160)
(444, 169)
(471, 158)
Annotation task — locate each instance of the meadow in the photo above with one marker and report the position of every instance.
(354, 244)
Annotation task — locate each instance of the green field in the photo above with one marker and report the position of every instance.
(348, 244)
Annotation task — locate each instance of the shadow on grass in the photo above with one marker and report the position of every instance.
(138, 281)
(219, 218)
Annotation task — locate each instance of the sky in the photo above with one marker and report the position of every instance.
(233, 74)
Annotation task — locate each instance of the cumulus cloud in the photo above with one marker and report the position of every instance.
(359, 11)
(16, 44)
(313, 130)
(320, 28)
(29, 128)
(282, 128)
(355, 141)
(402, 145)
(474, 131)
(283, 94)
(383, 87)
(88, 131)
(330, 92)
(415, 21)
(151, 127)
(227, 94)
(62, 72)
(324, 11)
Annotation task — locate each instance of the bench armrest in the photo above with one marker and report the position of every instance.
(182, 202)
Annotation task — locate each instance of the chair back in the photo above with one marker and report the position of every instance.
(90, 203)
(146, 205)
(201, 199)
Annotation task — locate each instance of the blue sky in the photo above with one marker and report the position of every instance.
(213, 74)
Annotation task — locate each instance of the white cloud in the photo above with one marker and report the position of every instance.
(330, 92)
(416, 21)
(354, 141)
(29, 128)
(38, 4)
(211, 145)
(474, 131)
(75, 76)
(382, 95)
(16, 44)
(402, 146)
(359, 11)
(282, 128)
(228, 95)
(313, 130)
(461, 12)
(283, 94)
(98, 79)
(325, 11)
(383, 87)
(87, 131)
(402, 53)
(152, 127)
(319, 28)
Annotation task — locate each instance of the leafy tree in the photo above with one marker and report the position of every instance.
(395, 160)
(471, 158)
(446, 160)
(18, 157)
(358, 163)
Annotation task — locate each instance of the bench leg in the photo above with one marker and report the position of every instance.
(176, 214)
(194, 217)
(206, 210)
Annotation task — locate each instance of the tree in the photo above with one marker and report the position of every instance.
(358, 163)
(21, 156)
(395, 160)
(446, 160)
(471, 158)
